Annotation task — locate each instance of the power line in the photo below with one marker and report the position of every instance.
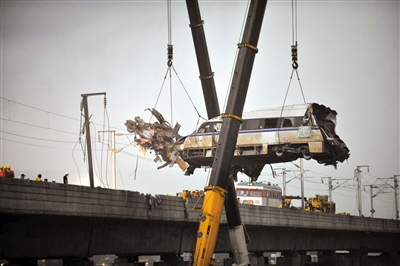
(37, 126)
(18, 135)
(30, 144)
(44, 111)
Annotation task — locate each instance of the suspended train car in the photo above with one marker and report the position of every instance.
(267, 136)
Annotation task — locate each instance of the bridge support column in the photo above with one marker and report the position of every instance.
(354, 258)
(171, 259)
(385, 259)
(128, 261)
(77, 262)
(228, 261)
(327, 257)
(256, 259)
(22, 262)
(395, 257)
(291, 259)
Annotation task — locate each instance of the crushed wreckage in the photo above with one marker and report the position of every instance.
(158, 136)
(273, 135)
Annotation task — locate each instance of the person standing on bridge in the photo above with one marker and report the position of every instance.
(38, 178)
(3, 172)
(65, 178)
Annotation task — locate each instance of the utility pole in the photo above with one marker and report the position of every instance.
(302, 183)
(396, 204)
(358, 176)
(284, 171)
(372, 200)
(302, 180)
(329, 185)
(84, 106)
(372, 196)
(113, 159)
(383, 189)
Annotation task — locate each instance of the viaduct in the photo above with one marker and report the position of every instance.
(43, 220)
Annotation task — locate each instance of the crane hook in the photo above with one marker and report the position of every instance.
(295, 65)
(170, 55)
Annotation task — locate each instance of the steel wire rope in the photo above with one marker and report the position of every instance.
(105, 114)
(97, 169)
(169, 61)
(129, 154)
(188, 95)
(295, 64)
(171, 66)
(136, 168)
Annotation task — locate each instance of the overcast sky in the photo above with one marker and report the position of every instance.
(54, 51)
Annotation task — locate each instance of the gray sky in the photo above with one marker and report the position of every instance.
(54, 51)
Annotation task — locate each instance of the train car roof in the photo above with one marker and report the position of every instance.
(287, 111)
(293, 110)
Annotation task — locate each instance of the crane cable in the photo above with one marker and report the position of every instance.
(295, 64)
(170, 67)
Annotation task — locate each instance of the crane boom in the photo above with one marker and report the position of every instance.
(219, 180)
(203, 60)
(235, 226)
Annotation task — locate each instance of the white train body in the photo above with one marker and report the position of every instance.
(258, 193)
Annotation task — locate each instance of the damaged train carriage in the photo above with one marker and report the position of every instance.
(267, 136)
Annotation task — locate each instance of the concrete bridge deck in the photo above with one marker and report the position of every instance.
(49, 220)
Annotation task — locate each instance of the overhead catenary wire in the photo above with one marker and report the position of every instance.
(11, 117)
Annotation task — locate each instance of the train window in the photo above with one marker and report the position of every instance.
(241, 192)
(203, 128)
(255, 193)
(252, 124)
(290, 121)
(297, 121)
(287, 122)
(271, 122)
(210, 127)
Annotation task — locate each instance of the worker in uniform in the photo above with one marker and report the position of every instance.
(65, 178)
(38, 178)
(10, 173)
(3, 172)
